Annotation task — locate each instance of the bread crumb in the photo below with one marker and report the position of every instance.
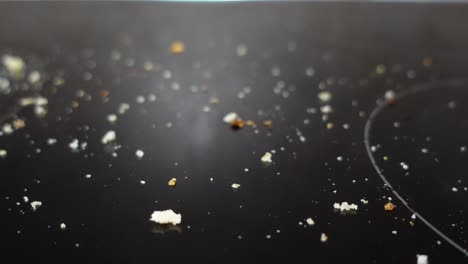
(35, 205)
(139, 153)
(109, 137)
(177, 47)
(268, 124)
(389, 207)
(266, 158)
(345, 206)
(172, 182)
(63, 226)
(235, 186)
(422, 259)
(166, 217)
(310, 221)
(3, 153)
(323, 238)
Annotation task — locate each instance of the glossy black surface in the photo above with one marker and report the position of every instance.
(107, 216)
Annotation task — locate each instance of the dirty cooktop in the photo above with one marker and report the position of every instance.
(278, 131)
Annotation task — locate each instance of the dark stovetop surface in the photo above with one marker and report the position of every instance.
(94, 56)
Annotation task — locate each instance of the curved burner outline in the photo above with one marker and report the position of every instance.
(367, 131)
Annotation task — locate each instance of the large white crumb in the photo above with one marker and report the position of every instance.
(324, 96)
(123, 107)
(14, 65)
(34, 77)
(310, 221)
(63, 226)
(35, 205)
(38, 101)
(345, 206)
(74, 144)
(112, 118)
(108, 137)
(139, 153)
(3, 153)
(323, 238)
(266, 158)
(422, 259)
(235, 186)
(166, 217)
(230, 117)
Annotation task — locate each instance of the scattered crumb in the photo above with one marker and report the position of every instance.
(14, 65)
(454, 189)
(88, 176)
(166, 217)
(35, 205)
(266, 158)
(3, 153)
(310, 221)
(63, 226)
(235, 186)
(139, 153)
(394, 232)
(109, 137)
(389, 207)
(177, 47)
(323, 238)
(268, 124)
(390, 96)
(404, 166)
(74, 144)
(324, 96)
(142, 182)
(364, 201)
(123, 107)
(422, 259)
(345, 206)
(172, 182)
(51, 141)
(25, 199)
(112, 118)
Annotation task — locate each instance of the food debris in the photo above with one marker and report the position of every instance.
(142, 182)
(109, 137)
(74, 144)
(139, 153)
(324, 96)
(235, 186)
(238, 124)
(454, 189)
(380, 69)
(63, 226)
(37, 101)
(172, 182)
(266, 158)
(166, 217)
(25, 199)
(250, 123)
(177, 47)
(389, 207)
(34, 77)
(422, 259)
(345, 206)
(3, 153)
(35, 205)
(112, 118)
(364, 201)
(323, 238)
(268, 124)
(390, 97)
(14, 65)
(51, 141)
(326, 109)
(123, 107)
(88, 176)
(230, 117)
(404, 166)
(310, 221)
